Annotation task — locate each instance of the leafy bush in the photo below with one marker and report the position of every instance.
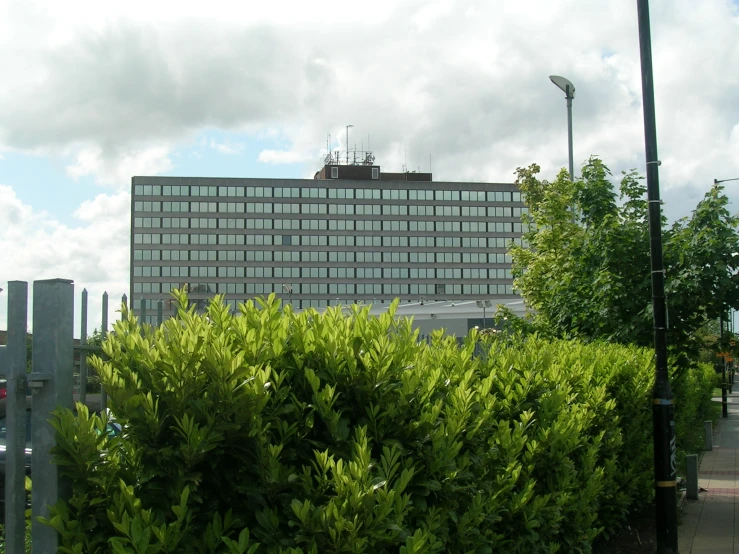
(693, 389)
(293, 433)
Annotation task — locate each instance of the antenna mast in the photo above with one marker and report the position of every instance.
(347, 143)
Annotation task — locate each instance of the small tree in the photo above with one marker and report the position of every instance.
(586, 269)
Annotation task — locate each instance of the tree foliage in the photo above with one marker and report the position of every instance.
(586, 268)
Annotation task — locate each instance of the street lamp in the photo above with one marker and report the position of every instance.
(484, 304)
(569, 89)
(717, 181)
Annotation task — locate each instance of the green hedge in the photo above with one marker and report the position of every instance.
(325, 433)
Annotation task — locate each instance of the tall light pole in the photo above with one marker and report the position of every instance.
(347, 143)
(663, 409)
(569, 89)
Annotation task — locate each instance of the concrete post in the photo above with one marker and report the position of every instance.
(708, 439)
(142, 312)
(83, 352)
(51, 382)
(104, 331)
(691, 461)
(15, 458)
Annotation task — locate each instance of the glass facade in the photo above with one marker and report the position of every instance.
(321, 242)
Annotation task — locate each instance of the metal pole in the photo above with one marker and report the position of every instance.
(663, 409)
(347, 143)
(83, 353)
(51, 380)
(724, 398)
(569, 134)
(15, 461)
(104, 332)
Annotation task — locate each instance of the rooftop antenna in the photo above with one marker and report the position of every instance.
(430, 171)
(329, 159)
(347, 143)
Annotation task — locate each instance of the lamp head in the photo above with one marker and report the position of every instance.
(563, 84)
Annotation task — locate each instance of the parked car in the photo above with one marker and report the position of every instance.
(93, 404)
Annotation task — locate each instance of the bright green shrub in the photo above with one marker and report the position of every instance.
(324, 433)
(693, 389)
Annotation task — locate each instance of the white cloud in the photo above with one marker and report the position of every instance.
(117, 170)
(282, 157)
(227, 147)
(94, 253)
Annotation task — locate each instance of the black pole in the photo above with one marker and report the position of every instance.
(722, 361)
(663, 409)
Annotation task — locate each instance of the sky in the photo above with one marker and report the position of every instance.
(95, 92)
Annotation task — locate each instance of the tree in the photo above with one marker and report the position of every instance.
(585, 270)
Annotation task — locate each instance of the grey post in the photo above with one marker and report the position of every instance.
(15, 459)
(83, 353)
(569, 89)
(569, 134)
(708, 439)
(51, 381)
(691, 461)
(104, 332)
(142, 311)
(160, 310)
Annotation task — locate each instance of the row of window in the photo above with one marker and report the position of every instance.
(252, 272)
(331, 225)
(258, 272)
(329, 240)
(326, 240)
(324, 192)
(319, 256)
(333, 289)
(361, 257)
(360, 209)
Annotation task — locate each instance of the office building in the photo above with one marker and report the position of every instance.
(352, 234)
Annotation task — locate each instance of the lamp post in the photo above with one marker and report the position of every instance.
(569, 89)
(717, 181)
(484, 304)
(663, 408)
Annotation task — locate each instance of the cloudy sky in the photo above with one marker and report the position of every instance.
(95, 92)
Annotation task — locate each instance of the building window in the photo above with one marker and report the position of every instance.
(375, 172)
(334, 172)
